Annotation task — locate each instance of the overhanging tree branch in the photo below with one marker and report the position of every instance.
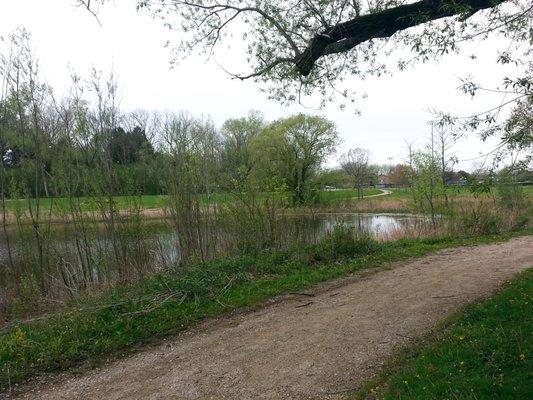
(304, 42)
(345, 36)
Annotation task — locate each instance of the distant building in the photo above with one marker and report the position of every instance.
(384, 181)
(461, 181)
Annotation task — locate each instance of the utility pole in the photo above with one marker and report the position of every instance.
(432, 142)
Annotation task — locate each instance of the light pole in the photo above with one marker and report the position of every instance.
(389, 159)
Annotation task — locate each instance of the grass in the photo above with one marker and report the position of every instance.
(89, 204)
(151, 202)
(94, 329)
(344, 194)
(485, 352)
(398, 201)
(401, 200)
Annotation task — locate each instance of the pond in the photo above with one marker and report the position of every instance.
(73, 259)
(380, 226)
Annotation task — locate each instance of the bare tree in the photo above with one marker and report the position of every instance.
(237, 136)
(355, 164)
(409, 146)
(442, 141)
(193, 146)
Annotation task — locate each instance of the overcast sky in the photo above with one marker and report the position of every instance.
(396, 110)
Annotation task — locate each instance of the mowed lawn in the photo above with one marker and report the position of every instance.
(343, 194)
(151, 202)
(89, 203)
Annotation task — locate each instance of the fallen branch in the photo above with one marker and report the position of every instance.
(155, 307)
(302, 294)
(304, 305)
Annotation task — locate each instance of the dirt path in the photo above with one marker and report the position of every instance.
(305, 347)
(384, 192)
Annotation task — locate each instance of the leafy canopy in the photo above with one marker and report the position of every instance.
(300, 47)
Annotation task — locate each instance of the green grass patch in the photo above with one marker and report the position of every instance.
(485, 352)
(150, 202)
(61, 204)
(144, 202)
(92, 329)
(343, 194)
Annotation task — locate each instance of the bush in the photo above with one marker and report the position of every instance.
(522, 221)
(343, 242)
(511, 196)
(477, 219)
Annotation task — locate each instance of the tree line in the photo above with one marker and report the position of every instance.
(83, 144)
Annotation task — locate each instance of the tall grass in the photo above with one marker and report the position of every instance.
(500, 211)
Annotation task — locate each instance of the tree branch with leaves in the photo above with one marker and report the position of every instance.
(299, 47)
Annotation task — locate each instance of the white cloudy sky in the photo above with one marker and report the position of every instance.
(131, 43)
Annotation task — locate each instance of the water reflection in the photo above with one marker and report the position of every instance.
(163, 240)
(380, 226)
(77, 259)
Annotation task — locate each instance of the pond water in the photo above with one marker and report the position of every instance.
(311, 227)
(380, 226)
(75, 259)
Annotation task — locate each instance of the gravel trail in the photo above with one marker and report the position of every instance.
(304, 346)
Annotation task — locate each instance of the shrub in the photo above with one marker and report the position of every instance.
(342, 242)
(522, 221)
(511, 196)
(475, 219)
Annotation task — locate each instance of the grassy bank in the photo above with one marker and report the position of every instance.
(346, 194)
(95, 328)
(400, 200)
(484, 352)
(156, 202)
